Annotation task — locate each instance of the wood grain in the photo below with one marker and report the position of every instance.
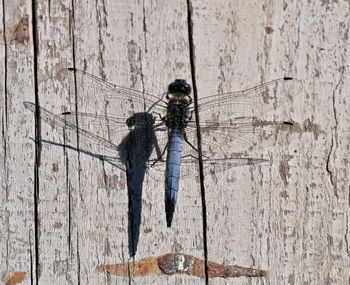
(17, 241)
(290, 216)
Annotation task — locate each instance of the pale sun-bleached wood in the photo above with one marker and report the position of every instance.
(289, 216)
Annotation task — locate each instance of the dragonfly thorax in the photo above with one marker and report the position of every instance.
(177, 114)
(178, 101)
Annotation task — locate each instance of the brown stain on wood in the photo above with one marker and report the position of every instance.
(178, 263)
(16, 278)
(17, 33)
(143, 267)
(268, 30)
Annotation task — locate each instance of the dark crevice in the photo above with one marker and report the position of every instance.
(334, 107)
(305, 222)
(5, 117)
(129, 273)
(346, 237)
(328, 167)
(334, 139)
(199, 138)
(37, 142)
(105, 14)
(141, 73)
(102, 24)
(31, 260)
(144, 25)
(4, 128)
(65, 155)
(49, 8)
(347, 241)
(69, 217)
(5, 69)
(78, 259)
(72, 29)
(145, 45)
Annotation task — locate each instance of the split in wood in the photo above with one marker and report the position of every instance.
(178, 263)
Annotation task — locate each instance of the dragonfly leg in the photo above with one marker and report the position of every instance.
(189, 99)
(161, 156)
(191, 145)
(190, 155)
(191, 114)
(160, 116)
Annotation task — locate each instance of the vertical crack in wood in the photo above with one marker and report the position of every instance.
(101, 24)
(72, 27)
(68, 188)
(145, 45)
(129, 271)
(49, 8)
(31, 260)
(142, 79)
(5, 69)
(37, 143)
(305, 223)
(4, 129)
(72, 32)
(199, 139)
(346, 238)
(144, 25)
(334, 139)
(78, 259)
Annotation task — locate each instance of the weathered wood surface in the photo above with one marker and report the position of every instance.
(289, 216)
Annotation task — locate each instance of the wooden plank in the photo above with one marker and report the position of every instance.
(127, 43)
(17, 152)
(58, 166)
(99, 209)
(289, 217)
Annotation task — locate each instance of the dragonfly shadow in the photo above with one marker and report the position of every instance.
(131, 155)
(135, 151)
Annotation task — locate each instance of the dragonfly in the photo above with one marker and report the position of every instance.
(134, 129)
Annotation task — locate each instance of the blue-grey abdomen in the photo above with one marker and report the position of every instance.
(172, 172)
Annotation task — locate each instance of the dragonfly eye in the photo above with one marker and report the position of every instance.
(179, 86)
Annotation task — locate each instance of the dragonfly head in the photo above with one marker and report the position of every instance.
(179, 86)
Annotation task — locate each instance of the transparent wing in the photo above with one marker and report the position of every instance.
(190, 166)
(252, 101)
(115, 118)
(232, 126)
(107, 138)
(236, 135)
(97, 96)
(234, 123)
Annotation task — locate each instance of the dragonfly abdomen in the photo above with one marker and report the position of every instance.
(172, 172)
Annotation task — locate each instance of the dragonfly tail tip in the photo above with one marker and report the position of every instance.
(169, 211)
(287, 78)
